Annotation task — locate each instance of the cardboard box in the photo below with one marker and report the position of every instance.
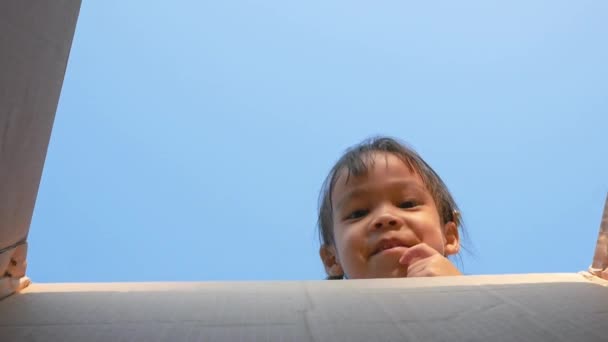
(35, 45)
(35, 41)
(543, 307)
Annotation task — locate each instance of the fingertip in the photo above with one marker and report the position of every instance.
(404, 259)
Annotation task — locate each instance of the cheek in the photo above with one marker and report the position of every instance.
(431, 232)
(436, 240)
(349, 241)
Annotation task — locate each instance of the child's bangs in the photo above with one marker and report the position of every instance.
(358, 164)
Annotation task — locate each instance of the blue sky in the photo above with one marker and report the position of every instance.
(192, 137)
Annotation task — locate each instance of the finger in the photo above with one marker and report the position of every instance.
(416, 253)
(416, 270)
(421, 273)
(426, 267)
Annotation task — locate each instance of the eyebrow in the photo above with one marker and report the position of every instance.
(363, 191)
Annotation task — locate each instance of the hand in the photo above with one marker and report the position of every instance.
(424, 261)
(598, 272)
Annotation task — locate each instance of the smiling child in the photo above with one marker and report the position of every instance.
(384, 212)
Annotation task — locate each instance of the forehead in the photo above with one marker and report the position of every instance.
(380, 167)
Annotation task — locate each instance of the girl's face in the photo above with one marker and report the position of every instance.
(378, 216)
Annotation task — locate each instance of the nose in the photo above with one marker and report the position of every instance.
(387, 220)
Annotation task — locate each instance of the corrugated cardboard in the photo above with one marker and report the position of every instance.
(35, 40)
(549, 307)
(599, 266)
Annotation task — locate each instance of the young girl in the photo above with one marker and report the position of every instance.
(384, 212)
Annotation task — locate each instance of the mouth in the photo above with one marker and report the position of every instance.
(387, 245)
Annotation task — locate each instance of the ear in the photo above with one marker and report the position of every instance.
(330, 260)
(452, 239)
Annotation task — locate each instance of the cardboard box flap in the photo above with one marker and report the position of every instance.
(599, 266)
(35, 44)
(545, 307)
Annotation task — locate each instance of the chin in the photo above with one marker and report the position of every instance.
(397, 272)
(400, 272)
(386, 268)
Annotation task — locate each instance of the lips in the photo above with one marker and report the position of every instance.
(385, 244)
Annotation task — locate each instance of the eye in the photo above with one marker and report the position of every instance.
(357, 214)
(408, 204)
